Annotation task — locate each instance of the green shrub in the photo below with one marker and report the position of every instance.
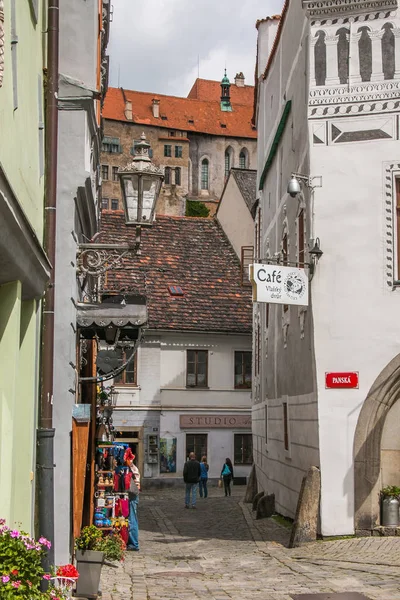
(196, 209)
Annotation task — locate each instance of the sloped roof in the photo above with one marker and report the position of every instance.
(207, 89)
(183, 114)
(246, 180)
(192, 253)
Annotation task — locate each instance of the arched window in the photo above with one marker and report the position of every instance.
(167, 175)
(343, 55)
(228, 161)
(204, 173)
(243, 160)
(365, 53)
(178, 176)
(388, 60)
(320, 58)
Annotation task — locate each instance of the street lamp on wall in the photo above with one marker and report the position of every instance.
(141, 184)
(315, 254)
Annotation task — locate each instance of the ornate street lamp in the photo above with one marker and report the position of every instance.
(141, 184)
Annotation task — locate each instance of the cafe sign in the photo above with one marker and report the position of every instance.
(278, 284)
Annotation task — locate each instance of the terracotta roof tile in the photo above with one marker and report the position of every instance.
(192, 253)
(207, 89)
(206, 115)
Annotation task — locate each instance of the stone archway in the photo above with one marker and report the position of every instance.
(367, 445)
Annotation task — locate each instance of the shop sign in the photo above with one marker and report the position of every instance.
(341, 380)
(215, 421)
(277, 284)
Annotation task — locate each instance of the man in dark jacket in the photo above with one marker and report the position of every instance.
(191, 476)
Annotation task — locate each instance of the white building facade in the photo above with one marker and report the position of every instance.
(328, 108)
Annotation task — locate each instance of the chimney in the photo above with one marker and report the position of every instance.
(239, 79)
(156, 108)
(128, 110)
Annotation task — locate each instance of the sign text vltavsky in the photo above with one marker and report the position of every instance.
(279, 285)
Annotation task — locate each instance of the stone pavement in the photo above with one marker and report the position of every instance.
(220, 552)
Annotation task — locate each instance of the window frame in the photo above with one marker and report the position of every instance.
(205, 174)
(114, 173)
(105, 200)
(178, 151)
(246, 259)
(196, 434)
(243, 385)
(167, 175)
(113, 201)
(105, 169)
(196, 363)
(249, 437)
(286, 426)
(123, 382)
(168, 150)
(178, 176)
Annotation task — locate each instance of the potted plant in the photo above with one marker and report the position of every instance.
(21, 571)
(390, 505)
(92, 549)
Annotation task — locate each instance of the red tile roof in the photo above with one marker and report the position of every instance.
(192, 253)
(206, 89)
(207, 116)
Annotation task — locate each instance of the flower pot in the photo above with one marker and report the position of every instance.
(89, 563)
(390, 512)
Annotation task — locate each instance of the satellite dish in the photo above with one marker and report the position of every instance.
(107, 361)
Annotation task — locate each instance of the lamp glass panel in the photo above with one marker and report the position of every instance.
(131, 187)
(149, 197)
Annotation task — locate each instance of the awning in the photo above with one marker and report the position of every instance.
(102, 319)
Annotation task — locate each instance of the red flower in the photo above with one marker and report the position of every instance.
(14, 572)
(67, 571)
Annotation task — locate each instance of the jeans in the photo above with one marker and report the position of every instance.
(133, 539)
(227, 484)
(203, 488)
(191, 487)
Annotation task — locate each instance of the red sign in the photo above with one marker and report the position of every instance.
(341, 380)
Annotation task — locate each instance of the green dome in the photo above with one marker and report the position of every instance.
(225, 80)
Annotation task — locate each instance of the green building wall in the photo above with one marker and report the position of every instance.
(21, 186)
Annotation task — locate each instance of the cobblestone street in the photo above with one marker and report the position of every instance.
(220, 552)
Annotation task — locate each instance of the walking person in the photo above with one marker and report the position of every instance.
(227, 476)
(133, 521)
(203, 477)
(191, 476)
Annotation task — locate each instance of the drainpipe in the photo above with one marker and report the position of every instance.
(45, 433)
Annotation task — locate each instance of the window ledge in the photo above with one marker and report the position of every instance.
(130, 386)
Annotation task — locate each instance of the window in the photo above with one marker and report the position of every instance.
(111, 145)
(243, 448)
(104, 203)
(167, 175)
(104, 172)
(242, 370)
(196, 368)
(115, 173)
(178, 151)
(300, 238)
(177, 176)
(247, 253)
(129, 376)
(167, 150)
(285, 425)
(114, 204)
(204, 174)
(172, 134)
(197, 443)
(227, 162)
(243, 160)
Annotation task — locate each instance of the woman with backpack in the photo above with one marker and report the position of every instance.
(227, 476)
(203, 477)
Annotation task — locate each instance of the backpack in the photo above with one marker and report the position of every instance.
(226, 471)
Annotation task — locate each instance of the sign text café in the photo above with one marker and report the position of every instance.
(279, 284)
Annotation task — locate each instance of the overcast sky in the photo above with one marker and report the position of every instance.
(160, 45)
